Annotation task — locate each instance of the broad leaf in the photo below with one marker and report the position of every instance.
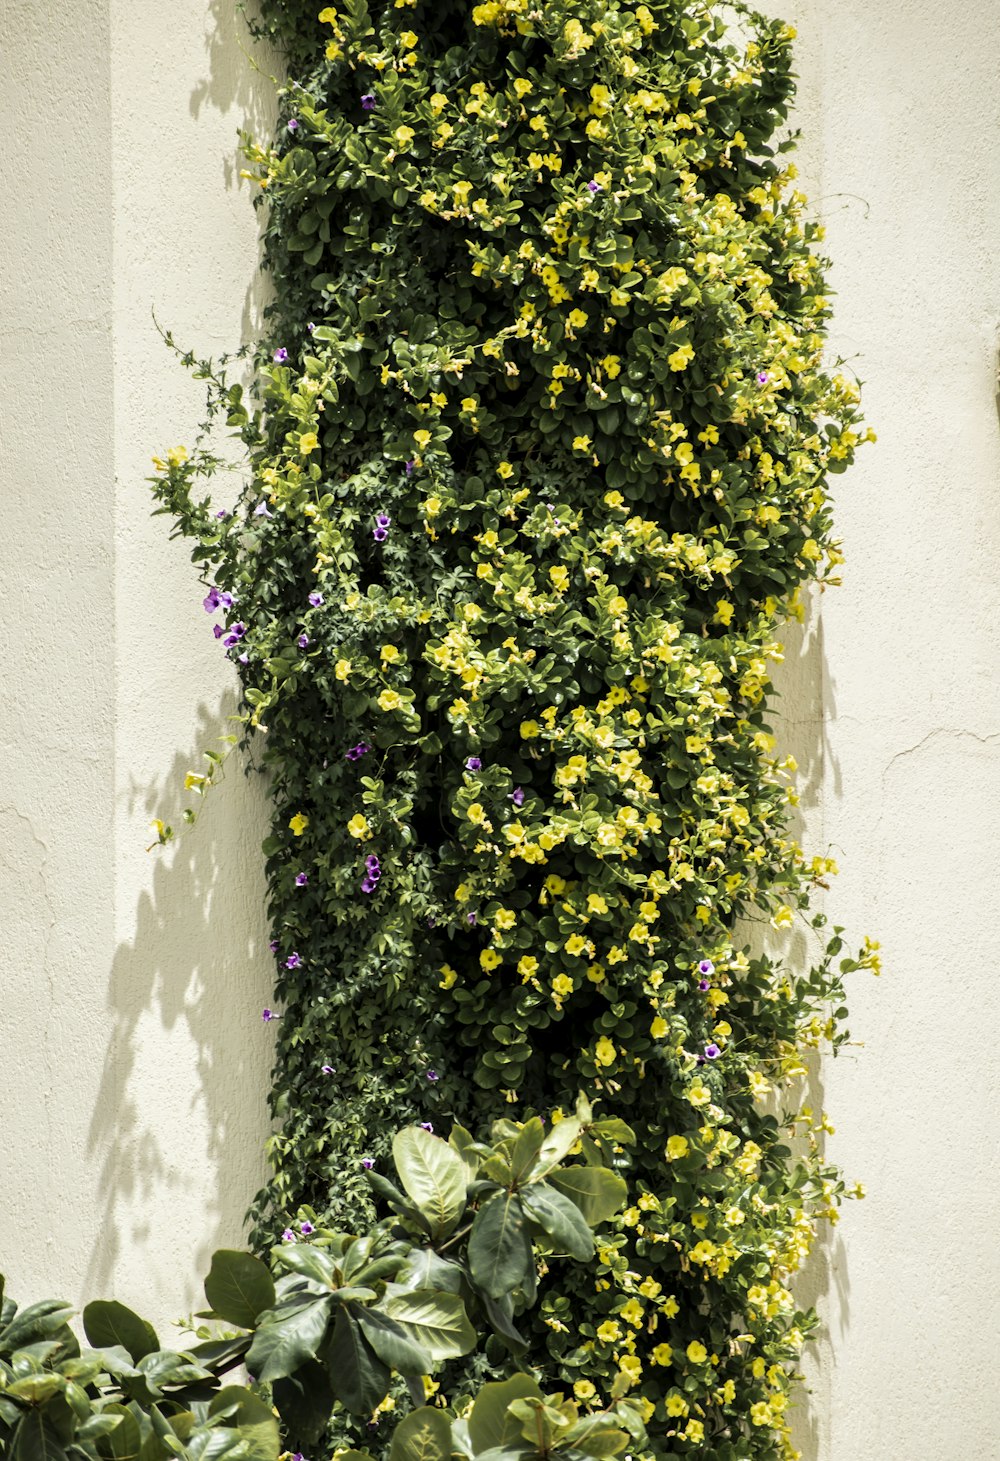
(239, 1287)
(500, 1253)
(254, 1420)
(125, 1441)
(562, 1137)
(433, 1174)
(425, 1435)
(560, 1219)
(425, 1269)
(108, 1323)
(304, 1401)
(526, 1149)
(437, 1322)
(490, 1423)
(500, 1313)
(359, 1378)
(285, 1339)
(598, 1193)
(392, 1344)
(35, 1439)
(38, 1321)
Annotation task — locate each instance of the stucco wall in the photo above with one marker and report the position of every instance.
(134, 1063)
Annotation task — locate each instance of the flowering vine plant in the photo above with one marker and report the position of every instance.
(537, 451)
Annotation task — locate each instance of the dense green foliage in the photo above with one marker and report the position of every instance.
(344, 1317)
(538, 448)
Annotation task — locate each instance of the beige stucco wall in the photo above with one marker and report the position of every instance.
(134, 1061)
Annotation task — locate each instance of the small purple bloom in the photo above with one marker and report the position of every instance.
(367, 886)
(383, 519)
(262, 510)
(408, 469)
(218, 630)
(244, 659)
(316, 598)
(273, 945)
(236, 633)
(433, 1076)
(367, 1163)
(517, 797)
(472, 919)
(473, 764)
(310, 327)
(225, 600)
(293, 961)
(211, 601)
(706, 967)
(306, 1229)
(703, 984)
(594, 186)
(222, 513)
(280, 355)
(326, 1069)
(293, 124)
(301, 879)
(303, 641)
(380, 535)
(426, 1126)
(712, 1051)
(356, 752)
(762, 377)
(288, 1236)
(368, 101)
(267, 1016)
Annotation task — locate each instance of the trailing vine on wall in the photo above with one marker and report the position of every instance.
(538, 448)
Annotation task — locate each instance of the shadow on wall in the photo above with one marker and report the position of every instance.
(181, 1108)
(805, 706)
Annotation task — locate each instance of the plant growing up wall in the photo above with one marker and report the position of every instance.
(537, 449)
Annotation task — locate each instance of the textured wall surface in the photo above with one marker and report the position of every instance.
(134, 1066)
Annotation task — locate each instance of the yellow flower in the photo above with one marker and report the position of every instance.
(342, 669)
(681, 358)
(529, 730)
(581, 443)
(408, 39)
(177, 456)
(694, 1430)
(308, 442)
(658, 1028)
(596, 903)
(609, 1331)
(696, 1352)
(422, 438)
(505, 470)
(527, 966)
(633, 1313)
(403, 136)
(663, 1355)
(575, 944)
(448, 977)
(698, 1094)
(560, 578)
(505, 918)
(577, 318)
(298, 824)
(630, 1366)
(604, 1052)
(358, 825)
(723, 612)
(389, 700)
(490, 959)
(677, 1147)
(676, 1405)
(562, 986)
(583, 1389)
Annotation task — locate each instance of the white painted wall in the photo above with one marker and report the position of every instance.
(134, 1063)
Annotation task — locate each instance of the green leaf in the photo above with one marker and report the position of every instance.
(433, 1174)
(435, 1321)
(359, 1378)
(392, 1344)
(254, 1420)
(425, 1435)
(598, 1193)
(304, 1401)
(239, 1287)
(286, 1339)
(107, 1323)
(560, 1218)
(562, 1137)
(490, 1422)
(526, 1149)
(35, 1440)
(499, 1248)
(125, 1441)
(38, 1321)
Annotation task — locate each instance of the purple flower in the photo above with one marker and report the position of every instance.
(326, 1069)
(472, 919)
(703, 984)
(211, 601)
(262, 510)
(244, 659)
(408, 469)
(267, 1016)
(712, 1051)
(372, 868)
(303, 641)
(310, 327)
(594, 186)
(433, 1076)
(293, 961)
(356, 752)
(381, 531)
(280, 355)
(706, 967)
(236, 633)
(383, 519)
(288, 1236)
(293, 124)
(273, 945)
(218, 630)
(367, 1163)
(473, 764)
(762, 377)
(222, 513)
(316, 598)
(380, 535)
(306, 1229)
(426, 1126)
(225, 599)
(301, 879)
(367, 886)
(368, 101)
(517, 797)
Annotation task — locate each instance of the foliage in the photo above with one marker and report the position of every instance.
(537, 454)
(343, 1316)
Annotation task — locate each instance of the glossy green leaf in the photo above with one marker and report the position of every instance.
(490, 1422)
(253, 1418)
(424, 1435)
(285, 1339)
(499, 1247)
(435, 1321)
(598, 1193)
(433, 1175)
(239, 1287)
(108, 1323)
(560, 1219)
(358, 1377)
